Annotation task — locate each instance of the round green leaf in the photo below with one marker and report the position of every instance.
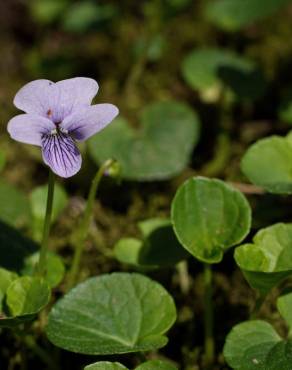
(159, 149)
(274, 153)
(105, 365)
(55, 268)
(209, 217)
(110, 314)
(156, 365)
(232, 15)
(268, 260)
(159, 247)
(254, 345)
(210, 69)
(14, 206)
(38, 201)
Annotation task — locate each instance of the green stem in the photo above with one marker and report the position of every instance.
(85, 223)
(208, 315)
(42, 264)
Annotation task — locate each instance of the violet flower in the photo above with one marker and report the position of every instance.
(57, 115)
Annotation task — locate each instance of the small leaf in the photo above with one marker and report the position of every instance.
(156, 365)
(232, 15)
(275, 153)
(268, 260)
(38, 201)
(105, 365)
(254, 345)
(209, 217)
(25, 297)
(159, 149)
(159, 248)
(14, 206)
(6, 278)
(284, 305)
(55, 268)
(110, 314)
(210, 69)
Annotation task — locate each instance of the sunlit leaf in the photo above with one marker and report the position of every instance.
(105, 365)
(156, 365)
(209, 217)
(25, 297)
(268, 163)
(110, 314)
(159, 149)
(254, 345)
(268, 260)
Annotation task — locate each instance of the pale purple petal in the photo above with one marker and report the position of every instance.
(85, 122)
(56, 100)
(37, 97)
(29, 128)
(61, 154)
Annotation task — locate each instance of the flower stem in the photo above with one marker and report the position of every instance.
(208, 315)
(85, 223)
(42, 264)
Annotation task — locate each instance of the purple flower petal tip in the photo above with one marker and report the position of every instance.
(56, 116)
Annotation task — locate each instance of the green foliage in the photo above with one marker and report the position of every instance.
(116, 313)
(208, 70)
(159, 246)
(14, 206)
(232, 15)
(284, 305)
(269, 259)
(254, 345)
(274, 153)
(6, 278)
(209, 217)
(148, 153)
(105, 365)
(2, 160)
(25, 297)
(55, 268)
(38, 201)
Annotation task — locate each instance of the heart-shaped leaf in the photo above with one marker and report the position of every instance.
(156, 365)
(232, 15)
(209, 69)
(14, 206)
(209, 217)
(38, 201)
(269, 259)
(275, 153)
(158, 150)
(55, 268)
(254, 345)
(105, 365)
(159, 246)
(25, 297)
(14, 248)
(110, 314)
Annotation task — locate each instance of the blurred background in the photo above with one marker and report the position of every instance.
(196, 81)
